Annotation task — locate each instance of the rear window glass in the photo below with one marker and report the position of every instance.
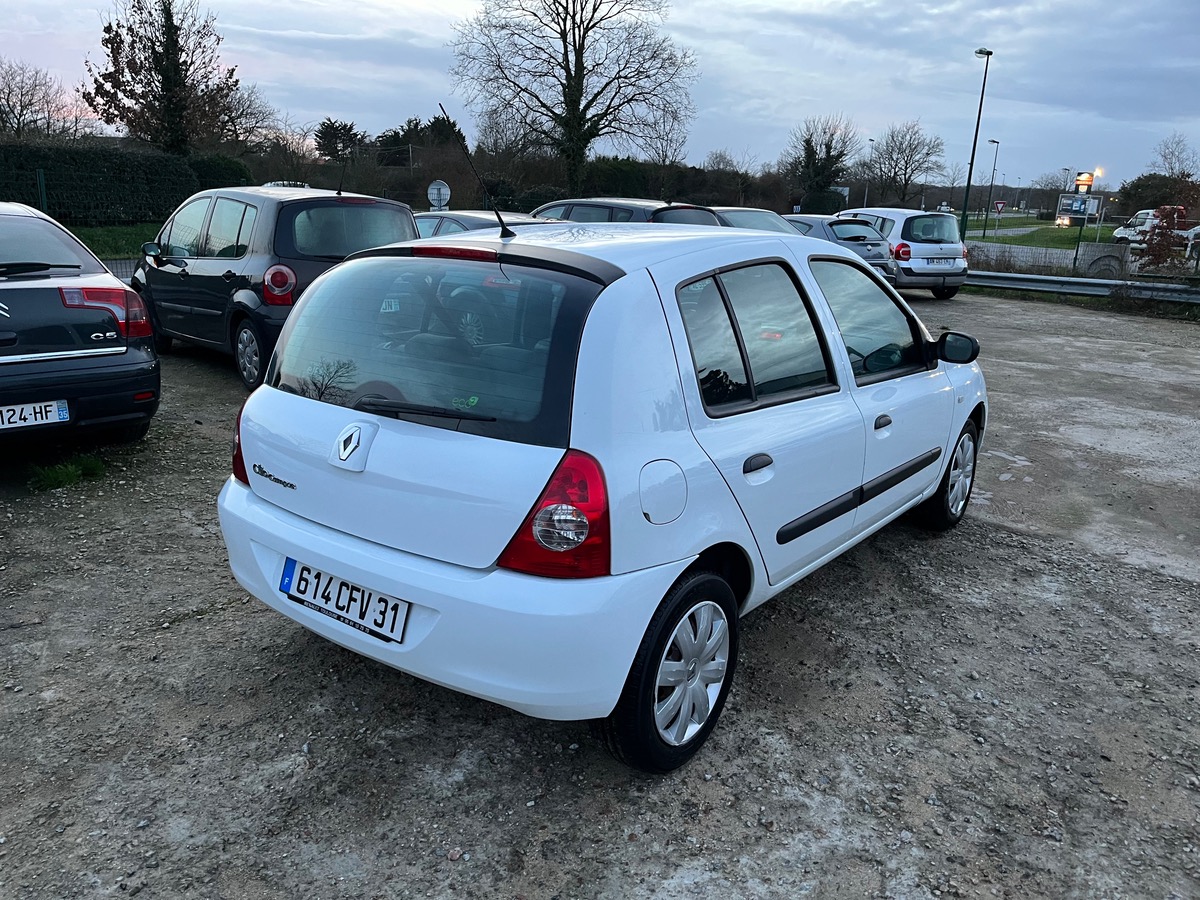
(754, 218)
(333, 229)
(25, 239)
(685, 215)
(932, 229)
(466, 345)
(854, 231)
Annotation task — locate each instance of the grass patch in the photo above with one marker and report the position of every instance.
(1049, 236)
(64, 474)
(118, 241)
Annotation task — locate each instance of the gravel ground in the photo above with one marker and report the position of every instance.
(1007, 710)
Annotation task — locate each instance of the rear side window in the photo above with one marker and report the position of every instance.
(580, 213)
(28, 239)
(685, 215)
(466, 345)
(333, 229)
(753, 339)
(226, 227)
(932, 229)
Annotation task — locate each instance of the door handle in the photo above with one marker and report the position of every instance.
(229, 274)
(756, 462)
(183, 273)
(883, 422)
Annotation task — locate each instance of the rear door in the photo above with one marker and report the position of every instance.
(216, 272)
(169, 288)
(767, 408)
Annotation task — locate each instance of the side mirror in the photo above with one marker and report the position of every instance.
(955, 347)
(152, 250)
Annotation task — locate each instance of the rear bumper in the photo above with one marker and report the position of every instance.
(908, 278)
(98, 396)
(545, 647)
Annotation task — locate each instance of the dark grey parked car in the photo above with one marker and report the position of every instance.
(627, 209)
(455, 220)
(853, 234)
(230, 263)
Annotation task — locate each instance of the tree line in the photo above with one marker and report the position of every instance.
(548, 84)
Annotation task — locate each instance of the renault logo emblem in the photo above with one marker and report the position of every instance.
(348, 442)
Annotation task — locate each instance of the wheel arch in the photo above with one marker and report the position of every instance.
(730, 561)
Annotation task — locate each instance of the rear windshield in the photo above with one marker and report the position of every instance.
(335, 228)
(24, 239)
(685, 215)
(931, 229)
(757, 218)
(465, 345)
(847, 230)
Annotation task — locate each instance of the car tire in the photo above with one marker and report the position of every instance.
(248, 353)
(943, 293)
(946, 508)
(680, 677)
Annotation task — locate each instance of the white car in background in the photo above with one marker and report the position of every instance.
(671, 426)
(927, 247)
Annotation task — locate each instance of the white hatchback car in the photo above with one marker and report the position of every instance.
(679, 423)
(928, 249)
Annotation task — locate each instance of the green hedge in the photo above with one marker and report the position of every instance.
(220, 171)
(93, 184)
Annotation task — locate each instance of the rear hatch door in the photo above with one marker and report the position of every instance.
(46, 318)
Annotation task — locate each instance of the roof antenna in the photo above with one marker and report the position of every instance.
(342, 177)
(505, 231)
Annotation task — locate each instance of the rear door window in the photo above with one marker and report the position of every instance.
(753, 339)
(225, 227)
(382, 335)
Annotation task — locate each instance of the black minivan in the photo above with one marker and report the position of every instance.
(229, 263)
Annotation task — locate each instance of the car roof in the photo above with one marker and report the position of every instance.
(809, 217)
(10, 208)
(612, 248)
(893, 211)
(474, 214)
(628, 202)
(286, 194)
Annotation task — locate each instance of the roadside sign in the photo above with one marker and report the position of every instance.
(1000, 204)
(439, 196)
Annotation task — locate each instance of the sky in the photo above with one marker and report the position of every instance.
(1072, 84)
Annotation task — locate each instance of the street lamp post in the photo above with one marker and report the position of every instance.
(1066, 178)
(987, 210)
(870, 160)
(986, 55)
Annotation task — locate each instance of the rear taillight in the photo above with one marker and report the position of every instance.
(902, 252)
(278, 283)
(964, 251)
(239, 461)
(566, 534)
(124, 305)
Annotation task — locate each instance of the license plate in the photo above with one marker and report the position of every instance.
(364, 610)
(22, 415)
(940, 261)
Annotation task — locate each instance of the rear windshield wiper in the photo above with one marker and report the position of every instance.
(382, 405)
(23, 268)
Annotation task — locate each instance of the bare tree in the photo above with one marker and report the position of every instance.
(574, 71)
(247, 121)
(953, 175)
(664, 144)
(35, 105)
(905, 157)
(289, 152)
(819, 152)
(1175, 157)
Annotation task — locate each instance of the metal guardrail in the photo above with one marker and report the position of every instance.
(1085, 287)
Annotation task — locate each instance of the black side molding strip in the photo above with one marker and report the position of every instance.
(822, 515)
(889, 480)
(848, 502)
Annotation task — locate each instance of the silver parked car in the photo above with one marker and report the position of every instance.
(853, 234)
